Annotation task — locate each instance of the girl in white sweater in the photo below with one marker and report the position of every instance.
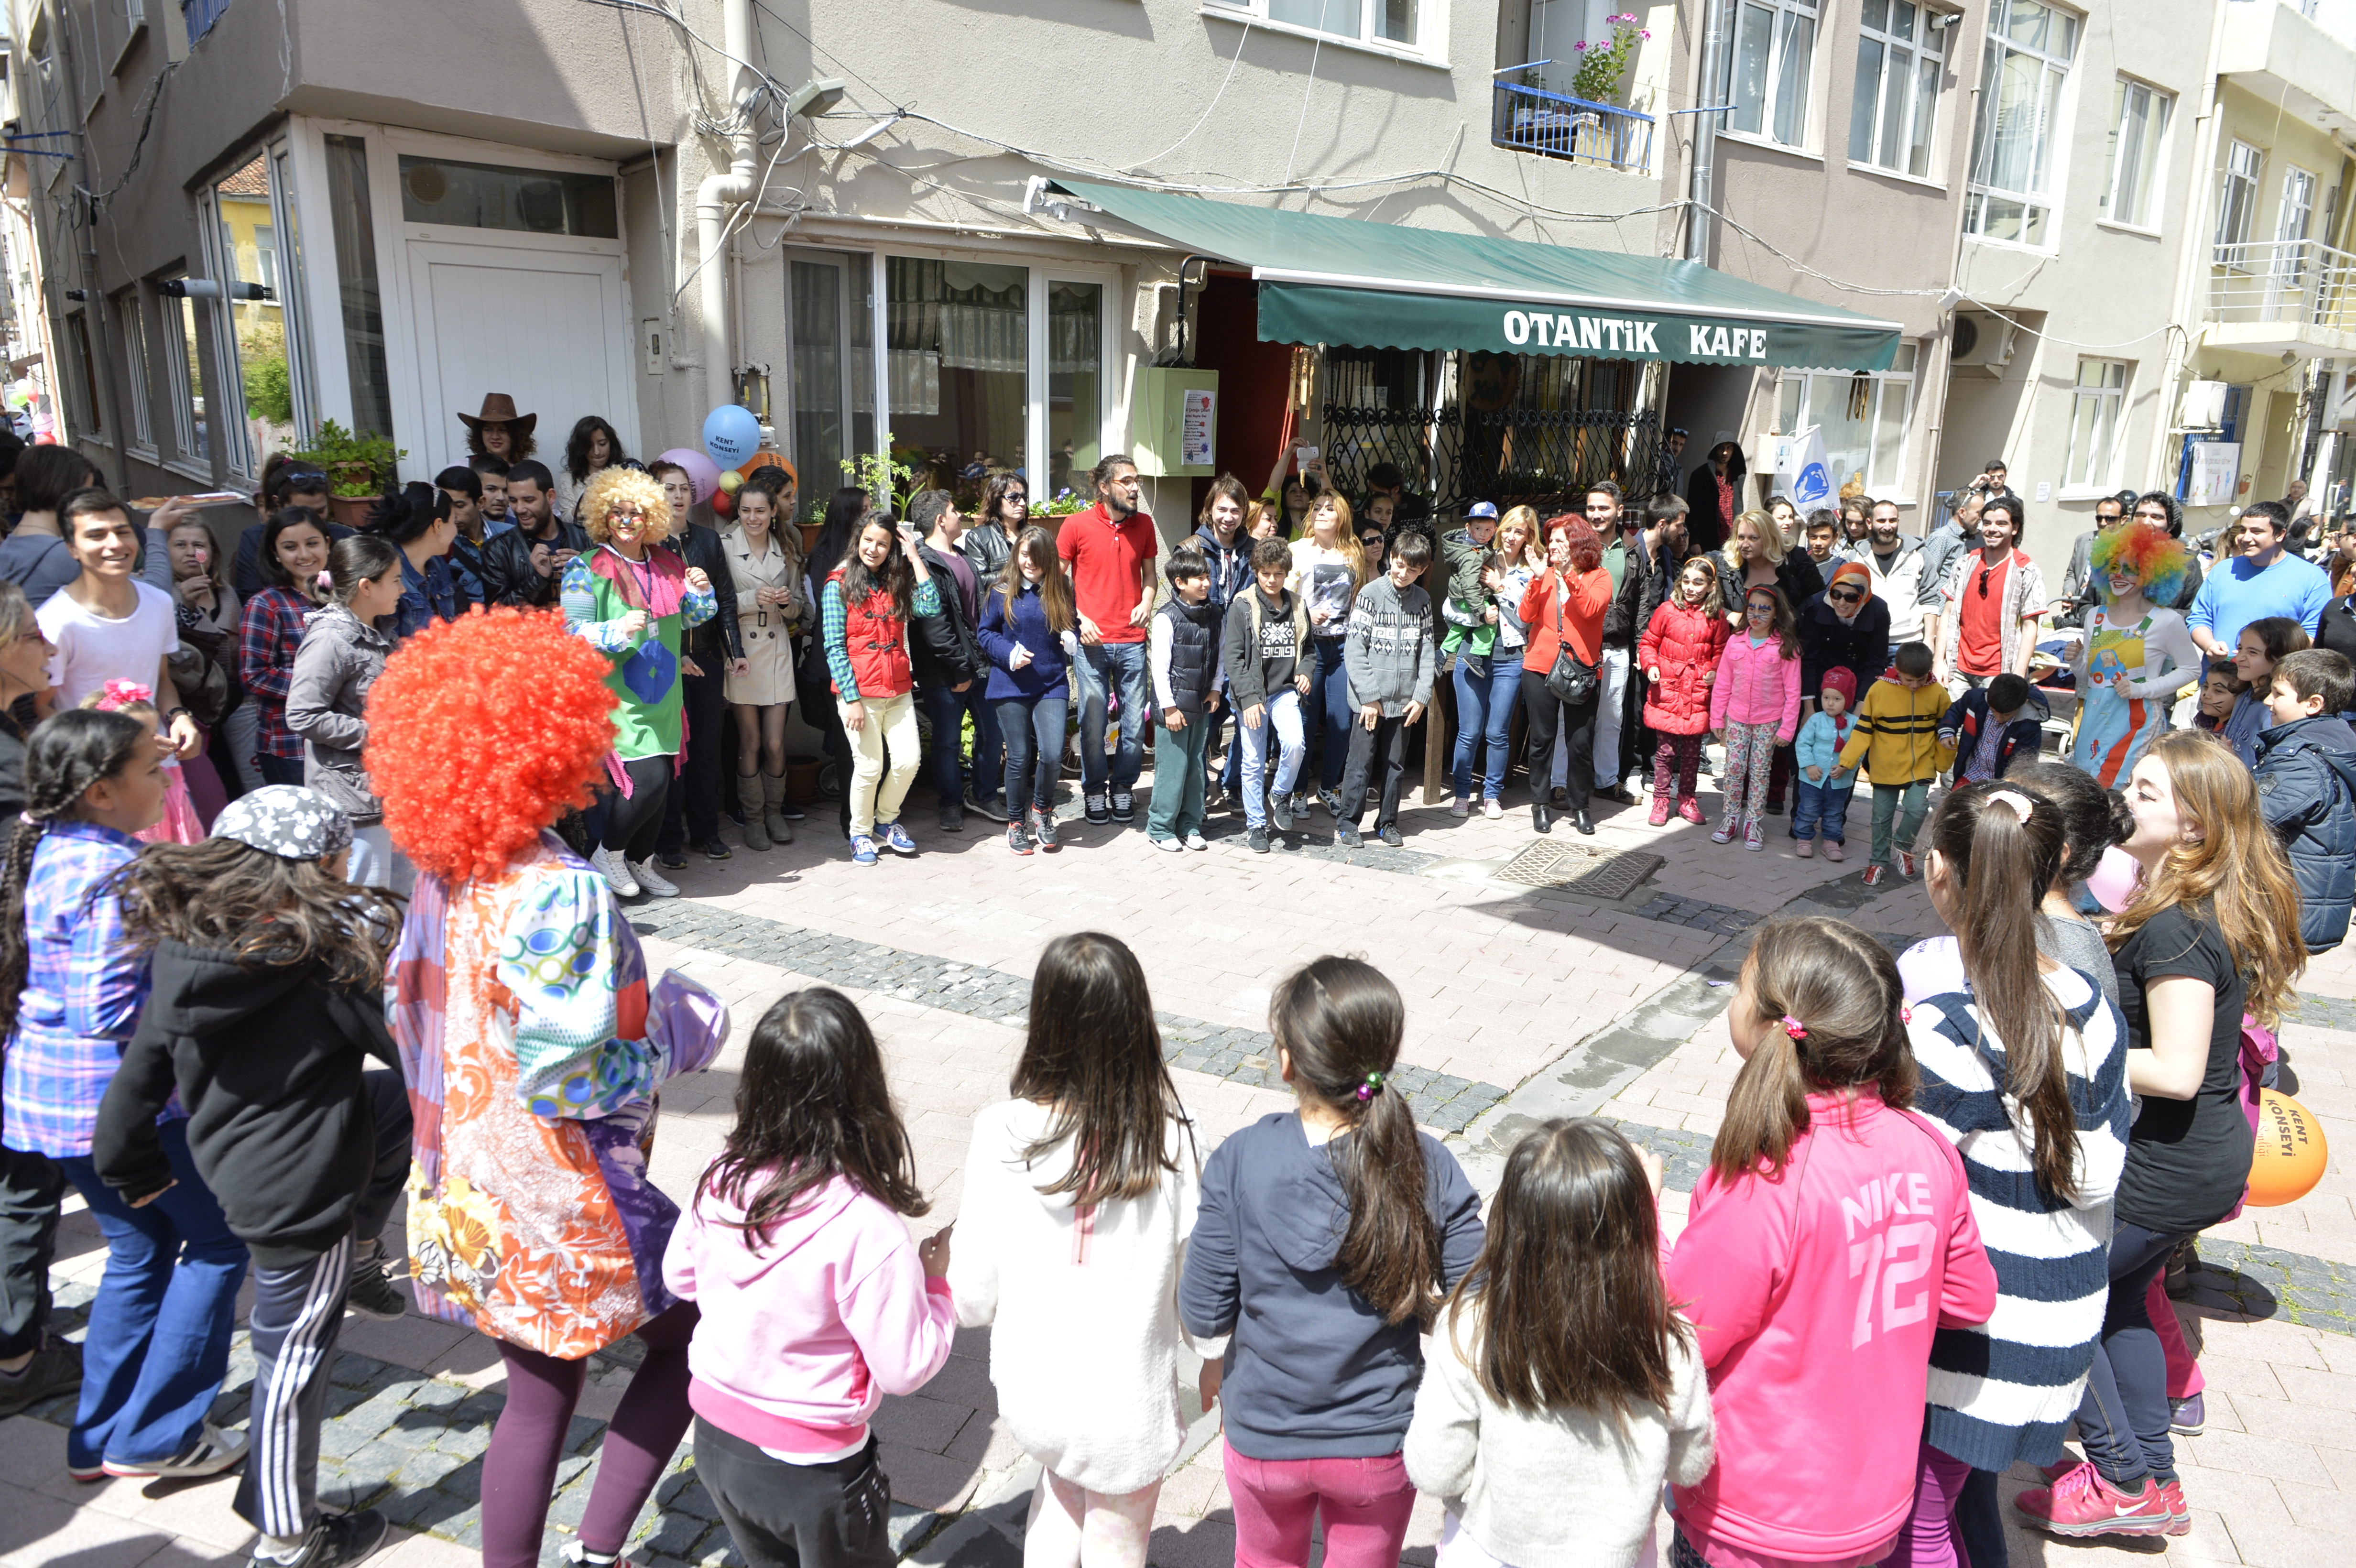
(1561, 1388)
(1079, 1195)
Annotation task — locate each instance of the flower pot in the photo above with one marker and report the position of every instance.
(801, 778)
(810, 536)
(351, 511)
(1591, 139)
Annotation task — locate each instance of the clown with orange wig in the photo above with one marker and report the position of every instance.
(2137, 656)
(532, 1042)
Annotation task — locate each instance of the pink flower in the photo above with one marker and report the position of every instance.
(1580, 45)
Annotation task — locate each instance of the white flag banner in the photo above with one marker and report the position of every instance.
(1803, 473)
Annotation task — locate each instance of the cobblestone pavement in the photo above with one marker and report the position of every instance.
(1524, 1003)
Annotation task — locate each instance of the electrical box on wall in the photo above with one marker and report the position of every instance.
(1174, 423)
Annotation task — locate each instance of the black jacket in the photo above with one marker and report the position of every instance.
(2338, 628)
(1708, 523)
(717, 641)
(1630, 610)
(267, 1061)
(941, 648)
(508, 576)
(1861, 648)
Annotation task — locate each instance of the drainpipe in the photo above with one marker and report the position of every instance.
(713, 199)
(1698, 227)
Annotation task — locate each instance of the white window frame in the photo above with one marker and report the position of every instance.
(1928, 47)
(2148, 182)
(131, 315)
(1428, 48)
(2292, 176)
(187, 381)
(1885, 382)
(2106, 433)
(2237, 221)
(1782, 17)
(2049, 158)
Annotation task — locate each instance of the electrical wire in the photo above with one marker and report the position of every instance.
(1302, 124)
(1202, 118)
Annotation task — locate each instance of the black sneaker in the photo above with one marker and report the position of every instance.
(672, 859)
(369, 1292)
(1390, 836)
(338, 1540)
(716, 850)
(1099, 809)
(55, 1368)
(1016, 839)
(1124, 807)
(952, 818)
(1346, 836)
(1042, 830)
(1256, 840)
(1280, 813)
(789, 811)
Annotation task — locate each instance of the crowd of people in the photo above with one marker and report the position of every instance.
(1932, 1241)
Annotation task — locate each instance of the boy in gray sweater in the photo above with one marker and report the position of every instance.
(1388, 656)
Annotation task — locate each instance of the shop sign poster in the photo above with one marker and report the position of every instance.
(1197, 429)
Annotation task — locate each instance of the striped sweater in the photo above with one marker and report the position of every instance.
(2005, 1389)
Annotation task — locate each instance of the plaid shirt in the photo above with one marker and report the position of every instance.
(83, 990)
(268, 635)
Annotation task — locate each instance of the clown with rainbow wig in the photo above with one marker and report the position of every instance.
(2137, 656)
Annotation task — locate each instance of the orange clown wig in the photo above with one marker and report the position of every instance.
(482, 730)
(2146, 553)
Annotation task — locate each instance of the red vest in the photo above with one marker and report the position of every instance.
(876, 638)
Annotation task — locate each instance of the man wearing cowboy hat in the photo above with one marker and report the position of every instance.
(498, 431)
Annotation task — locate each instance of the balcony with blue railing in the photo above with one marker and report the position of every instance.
(1605, 136)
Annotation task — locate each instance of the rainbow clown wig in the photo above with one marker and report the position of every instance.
(616, 483)
(482, 730)
(2147, 554)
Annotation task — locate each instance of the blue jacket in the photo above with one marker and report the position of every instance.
(1230, 564)
(1969, 715)
(2307, 791)
(1047, 674)
(1818, 746)
(1313, 1370)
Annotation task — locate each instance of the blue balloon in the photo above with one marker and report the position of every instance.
(731, 434)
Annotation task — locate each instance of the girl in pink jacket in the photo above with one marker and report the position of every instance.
(1830, 1238)
(815, 1305)
(1754, 706)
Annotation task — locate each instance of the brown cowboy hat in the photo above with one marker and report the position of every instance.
(499, 409)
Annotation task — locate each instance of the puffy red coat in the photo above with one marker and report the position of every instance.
(1683, 645)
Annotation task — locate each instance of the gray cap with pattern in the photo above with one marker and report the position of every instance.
(287, 820)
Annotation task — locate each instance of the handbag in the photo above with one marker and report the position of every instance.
(1572, 680)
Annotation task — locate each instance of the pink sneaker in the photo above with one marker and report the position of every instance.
(1689, 808)
(1807, 848)
(1660, 813)
(1833, 850)
(2083, 1504)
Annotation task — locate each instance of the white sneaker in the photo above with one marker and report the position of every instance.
(652, 880)
(1490, 810)
(616, 870)
(1196, 841)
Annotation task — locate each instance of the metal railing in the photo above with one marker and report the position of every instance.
(2291, 282)
(1604, 134)
(1544, 457)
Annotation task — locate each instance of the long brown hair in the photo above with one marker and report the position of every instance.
(1573, 1314)
(1093, 1052)
(266, 910)
(1340, 1022)
(1054, 587)
(1346, 535)
(1841, 988)
(897, 579)
(2237, 872)
(1784, 624)
(812, 1105)
(2003, 863)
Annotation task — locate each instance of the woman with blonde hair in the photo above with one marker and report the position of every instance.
(2211, 934)
(634, 603)
(1329, 567)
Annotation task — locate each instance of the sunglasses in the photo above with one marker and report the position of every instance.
(1843, 596)
(1984, 577)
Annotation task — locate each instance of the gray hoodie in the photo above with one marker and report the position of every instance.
(1388, 648)
(326, 699)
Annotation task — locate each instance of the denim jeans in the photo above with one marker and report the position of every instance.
(1117, 674)
(280, 770)
(1329, 713)
(1279, 717)
(159, 1329)
(1032, 730)
(2122, 1420)
(1824, 805)
(1487, 687)
(947, 711)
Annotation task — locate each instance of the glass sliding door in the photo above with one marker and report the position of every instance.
(829, 306)
(1075, 390)
(959, 373)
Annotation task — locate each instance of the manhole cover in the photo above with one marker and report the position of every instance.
(1596, 873)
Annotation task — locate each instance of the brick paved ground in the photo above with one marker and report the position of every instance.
(1524, 1003)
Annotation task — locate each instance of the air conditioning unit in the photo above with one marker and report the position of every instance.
(2203, 407)
(1982, 342)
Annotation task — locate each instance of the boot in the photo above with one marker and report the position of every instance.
(748, 800)
(773, 797)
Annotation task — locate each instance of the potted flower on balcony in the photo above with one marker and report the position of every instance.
(359, 467)
(1603, 66)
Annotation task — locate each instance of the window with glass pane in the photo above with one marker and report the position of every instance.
(1896, 101)
(1075, 381)
(2297, 210)
(81, 383)
(1862, 417)
(957, 333)
(1384, 21)
(254, 330)
(1770, 67)
(128, 321)
(356, 283)
(2139, 122)
(2095, 411)
(183, 363)
(2025, 67)
(834, 380)
(486, 196)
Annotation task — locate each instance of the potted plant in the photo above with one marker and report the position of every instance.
(1603, 63)
(359, 467)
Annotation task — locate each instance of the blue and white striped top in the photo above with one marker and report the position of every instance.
(2005, 1389)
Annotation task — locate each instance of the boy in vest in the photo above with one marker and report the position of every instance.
(1266, 630)
(1183, 658)
(1388, 656)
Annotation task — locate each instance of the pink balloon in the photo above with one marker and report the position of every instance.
(2115, 879)
(701, 472)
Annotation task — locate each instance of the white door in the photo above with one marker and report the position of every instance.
(550, 327)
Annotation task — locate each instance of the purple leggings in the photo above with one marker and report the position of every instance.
(519, 1468)
(1931, 1538)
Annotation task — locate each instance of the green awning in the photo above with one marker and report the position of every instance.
(1371, 286)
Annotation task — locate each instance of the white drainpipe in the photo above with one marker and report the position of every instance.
(713, 199)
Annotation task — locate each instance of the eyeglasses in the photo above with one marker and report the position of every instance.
(1843, 596)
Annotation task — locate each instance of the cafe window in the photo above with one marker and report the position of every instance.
(528, 201)
(957, 366)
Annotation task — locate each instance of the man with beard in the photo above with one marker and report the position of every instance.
(1899, 577)
(2077, 585)
(1109, 551)
(523, 565)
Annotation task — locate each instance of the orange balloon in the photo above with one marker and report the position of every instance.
(767, 457)
(2291, 1153)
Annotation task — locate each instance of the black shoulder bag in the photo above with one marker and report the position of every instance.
(1572, 680)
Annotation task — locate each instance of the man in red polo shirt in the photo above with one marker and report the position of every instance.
(1109, 551)
(1995, 598)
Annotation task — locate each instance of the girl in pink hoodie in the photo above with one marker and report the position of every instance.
(1831, 1237)
(1754, 706)
(815, 1305)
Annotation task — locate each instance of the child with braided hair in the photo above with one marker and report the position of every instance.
(71, 991)
(1326, 1238)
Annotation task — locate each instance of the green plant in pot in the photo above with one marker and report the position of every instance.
(359, 467)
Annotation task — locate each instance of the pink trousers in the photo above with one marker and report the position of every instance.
(1365, 1503)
